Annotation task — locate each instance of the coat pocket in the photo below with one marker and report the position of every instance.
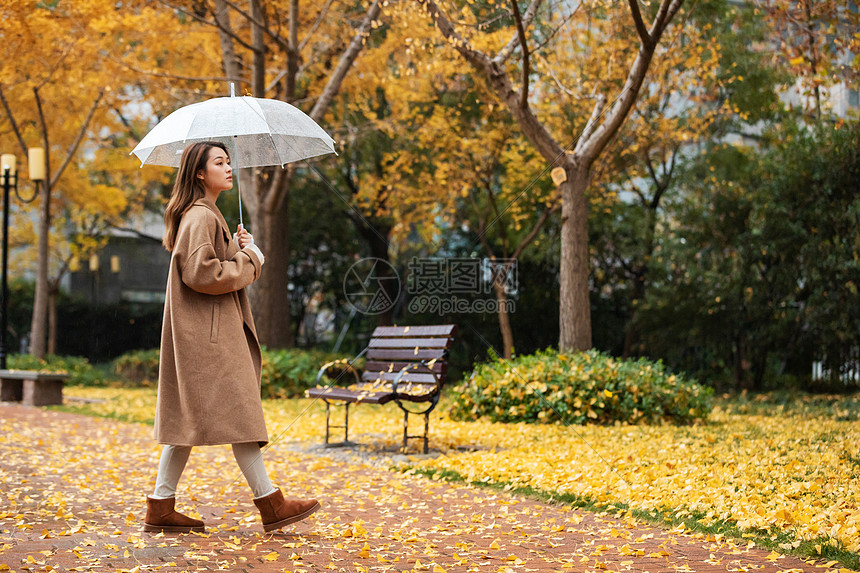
(216, 320)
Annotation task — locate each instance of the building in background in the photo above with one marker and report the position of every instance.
(131, 268)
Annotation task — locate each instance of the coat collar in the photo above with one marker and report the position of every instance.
(209, 204)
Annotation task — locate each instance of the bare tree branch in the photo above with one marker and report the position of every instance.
(521, 34)
(665, 14)
(12, 122)
(73, 148)
(258, 21)
(214, 23)
(164, 75)
(590, 125)
(497, 76)
(346, 61)
(640, 25)
(556, 204)
(508, 49)
(316, 24)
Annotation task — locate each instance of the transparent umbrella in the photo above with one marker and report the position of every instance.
(257, 131)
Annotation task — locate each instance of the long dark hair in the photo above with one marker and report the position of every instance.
(188, 187)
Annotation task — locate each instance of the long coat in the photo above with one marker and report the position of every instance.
(209, 374)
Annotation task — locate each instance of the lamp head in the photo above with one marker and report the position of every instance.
(9, 161)
(36, 162)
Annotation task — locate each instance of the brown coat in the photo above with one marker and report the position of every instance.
(209, 375)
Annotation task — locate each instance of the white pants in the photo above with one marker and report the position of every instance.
(248, 456)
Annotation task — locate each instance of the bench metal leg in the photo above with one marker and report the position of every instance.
(407, 437)
(329, 425)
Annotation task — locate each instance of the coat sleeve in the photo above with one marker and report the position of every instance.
(200, 267)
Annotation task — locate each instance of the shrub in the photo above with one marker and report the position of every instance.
(80, 371)
(286, 373)
(139, 367)
(581, 388)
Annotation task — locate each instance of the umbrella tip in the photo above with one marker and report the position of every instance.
(232, 89)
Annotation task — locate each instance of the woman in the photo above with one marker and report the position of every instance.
(209, 375)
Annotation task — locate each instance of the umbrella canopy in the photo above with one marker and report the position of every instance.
(257, 131)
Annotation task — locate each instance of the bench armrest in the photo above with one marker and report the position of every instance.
(328, 365)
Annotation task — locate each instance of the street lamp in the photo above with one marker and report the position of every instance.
(36, 160)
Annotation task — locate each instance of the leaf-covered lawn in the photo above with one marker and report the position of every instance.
(786, 470)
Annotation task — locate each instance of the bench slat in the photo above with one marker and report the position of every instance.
(412, 343)
(424, 378)
(391, 331)
(347, 395)
(31, 375)
(404, 354)
(439, 366)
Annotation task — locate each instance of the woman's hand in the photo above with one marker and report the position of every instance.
(243, 237)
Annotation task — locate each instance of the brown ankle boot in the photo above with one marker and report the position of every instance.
(278, 512)
(161, 516)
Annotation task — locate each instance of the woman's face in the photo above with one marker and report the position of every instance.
(218, 175)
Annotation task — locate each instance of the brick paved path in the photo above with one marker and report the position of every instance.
(72, 493)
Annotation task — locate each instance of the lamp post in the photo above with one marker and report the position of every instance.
(36, 161)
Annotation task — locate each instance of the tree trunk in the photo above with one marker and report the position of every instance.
(504, 317)
(376, 234)
(52, 322)
(230, 64)
(258, 40)
(575, 303)
(270, 296)
(640, 286)
(38, 334)
(267, 198)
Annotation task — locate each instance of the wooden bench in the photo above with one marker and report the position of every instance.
(32, 388)
(404, 364)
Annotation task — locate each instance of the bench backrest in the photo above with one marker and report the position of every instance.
(391, 348)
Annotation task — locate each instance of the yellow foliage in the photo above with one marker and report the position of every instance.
(90, 57)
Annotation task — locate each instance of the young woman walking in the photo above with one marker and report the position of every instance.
(209, 374)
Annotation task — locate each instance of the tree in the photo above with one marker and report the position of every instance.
(70, 57)
(816, 41)
(602, 126)
(757, 275)
(285, 53)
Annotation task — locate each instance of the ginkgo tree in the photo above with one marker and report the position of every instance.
(299, 54)
(462, 157)
(70, 84)
(630, 38)
(817, 42)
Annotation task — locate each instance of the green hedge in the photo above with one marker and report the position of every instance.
(581, 388)
(139, 367)
(286, 373)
